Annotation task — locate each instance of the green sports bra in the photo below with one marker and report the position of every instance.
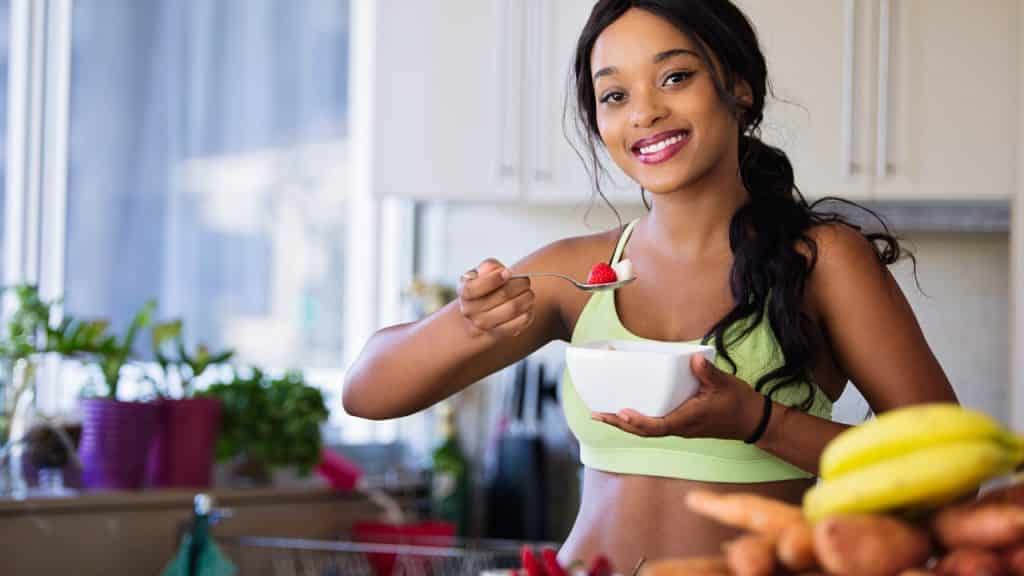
(604, 447)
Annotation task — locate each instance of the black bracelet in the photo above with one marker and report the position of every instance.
(763, 424)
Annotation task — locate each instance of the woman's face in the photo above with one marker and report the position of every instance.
(658, 112)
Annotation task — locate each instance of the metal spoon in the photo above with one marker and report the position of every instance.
(581, 285)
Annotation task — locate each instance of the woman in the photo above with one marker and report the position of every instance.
(796, 301)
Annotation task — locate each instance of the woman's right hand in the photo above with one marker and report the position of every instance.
(494, 305)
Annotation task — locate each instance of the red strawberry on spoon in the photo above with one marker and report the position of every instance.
(602, 273)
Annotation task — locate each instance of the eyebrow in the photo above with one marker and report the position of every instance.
(659, 57)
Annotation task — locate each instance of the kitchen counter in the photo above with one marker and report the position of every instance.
(138, 532)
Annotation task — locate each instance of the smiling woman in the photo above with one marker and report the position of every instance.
(795, 301)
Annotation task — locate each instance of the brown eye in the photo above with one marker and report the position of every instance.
(677, 78)
(613, 97)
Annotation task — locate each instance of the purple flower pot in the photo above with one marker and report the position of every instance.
(116, 438)
(184, 443)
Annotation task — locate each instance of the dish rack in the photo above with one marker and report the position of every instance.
(295, 557)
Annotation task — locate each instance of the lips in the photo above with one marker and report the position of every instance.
(660, 147)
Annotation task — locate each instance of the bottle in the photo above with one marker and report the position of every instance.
(449, 493)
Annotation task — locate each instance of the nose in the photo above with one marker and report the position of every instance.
(647, 110)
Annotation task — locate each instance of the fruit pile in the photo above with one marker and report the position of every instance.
(547, 565)
(896, 498)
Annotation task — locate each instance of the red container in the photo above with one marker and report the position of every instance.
(116, 437)
(184, 444)
(436, 534)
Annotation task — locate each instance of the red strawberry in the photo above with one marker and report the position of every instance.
(600, 567)
(602, 273)
(550, 557)
(530, 563)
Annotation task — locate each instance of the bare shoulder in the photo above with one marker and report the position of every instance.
(841, 251)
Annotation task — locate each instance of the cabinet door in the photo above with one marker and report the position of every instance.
(556, 174)
(947, 94)
(446, 86)
(818, 66)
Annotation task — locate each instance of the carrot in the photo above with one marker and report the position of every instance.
(742, 510)
(868, 545)
(795, 548)
(751, 555)
(706, 566)
(971, 562)
(1014, 560)
(992, 525)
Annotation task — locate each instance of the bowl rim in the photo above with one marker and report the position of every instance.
(681, 349)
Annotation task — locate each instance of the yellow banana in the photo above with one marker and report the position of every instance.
(906, 430)
(922, 478)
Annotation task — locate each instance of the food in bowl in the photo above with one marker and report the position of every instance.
(650, 377)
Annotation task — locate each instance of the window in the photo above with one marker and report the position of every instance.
(5, 10)
(207, 169)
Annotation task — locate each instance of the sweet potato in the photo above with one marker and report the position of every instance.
(704, 566)
(751, 555)
(867, 545)
(971, 562)
(993, 525)
(1013, 558)
(747, 511)
(795, 547)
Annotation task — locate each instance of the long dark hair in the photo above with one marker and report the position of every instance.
(769, 273)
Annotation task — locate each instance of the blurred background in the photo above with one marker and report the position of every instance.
(258, 185)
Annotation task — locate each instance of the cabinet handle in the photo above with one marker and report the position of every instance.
(506, 168)
(882, 122)
(846, 166)
(539, 22)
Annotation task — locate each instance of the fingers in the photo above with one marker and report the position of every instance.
(634, 422)
(489, 319)
(494, 304)
(705, 370)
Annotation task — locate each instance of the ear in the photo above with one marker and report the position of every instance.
(743, 93)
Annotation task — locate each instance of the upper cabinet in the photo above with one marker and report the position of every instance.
(469, 103)
(874, 99)
(893, 99)
(447, 95)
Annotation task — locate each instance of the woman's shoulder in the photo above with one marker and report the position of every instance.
(839, 246)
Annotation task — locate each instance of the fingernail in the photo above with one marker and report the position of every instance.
(624, 417)
(505, 273)
(470, 274)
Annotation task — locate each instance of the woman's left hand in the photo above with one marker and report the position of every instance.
(723, 407)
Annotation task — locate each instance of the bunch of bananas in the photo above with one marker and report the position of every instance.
(917, 457)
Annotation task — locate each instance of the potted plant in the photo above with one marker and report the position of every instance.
(183, 448)
(269, 423)
(28, 334)
(116, 434)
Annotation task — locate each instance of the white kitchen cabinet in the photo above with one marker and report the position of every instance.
(557, 175)
(875, 99)
(446, 95)
(818, 65)
(468, 102)
(946, 128)
(893, 99)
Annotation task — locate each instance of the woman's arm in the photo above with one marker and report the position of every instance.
(406, 368)
(874, 338)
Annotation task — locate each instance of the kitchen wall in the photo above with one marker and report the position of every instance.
(963, 303)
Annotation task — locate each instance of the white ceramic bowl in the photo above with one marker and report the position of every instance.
(652, 378)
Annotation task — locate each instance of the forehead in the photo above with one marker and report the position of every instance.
(634, 39)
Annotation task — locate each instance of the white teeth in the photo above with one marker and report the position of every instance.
(658, 147)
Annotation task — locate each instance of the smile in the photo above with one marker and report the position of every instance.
(661, 147)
